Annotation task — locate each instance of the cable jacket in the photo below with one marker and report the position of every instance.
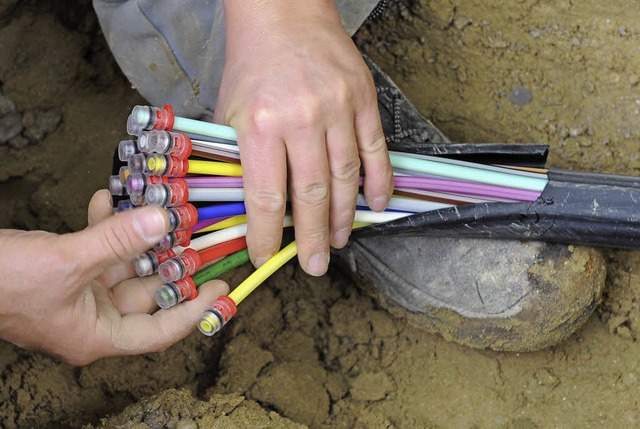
(214, 271)
(222, 249)
(262, 273)
(463, 172)
(214, 168)
(203, 128)
(221, 210)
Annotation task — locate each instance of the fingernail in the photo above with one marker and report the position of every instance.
(379, 204)
(318, 264)
(151, 224)
(341, 237)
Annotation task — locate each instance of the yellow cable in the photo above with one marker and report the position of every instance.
(262, 273)
(213, 168)
(357, 225)
(271, 266)
(227, 223)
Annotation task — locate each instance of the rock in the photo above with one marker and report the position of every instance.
(10, 126)
(6, 106)
(19, 142)
(370, 386)
(40, 123)
(520, 96)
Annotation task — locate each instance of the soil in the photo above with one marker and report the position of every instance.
(322, 352)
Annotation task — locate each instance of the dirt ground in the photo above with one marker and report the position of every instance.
(323, 352)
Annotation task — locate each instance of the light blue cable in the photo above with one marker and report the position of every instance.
(467, 173)
(398, 160)
(204, 128)
(479, 166)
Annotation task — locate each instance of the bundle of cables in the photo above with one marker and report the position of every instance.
(192, 168)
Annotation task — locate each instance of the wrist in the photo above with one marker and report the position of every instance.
(253, 21)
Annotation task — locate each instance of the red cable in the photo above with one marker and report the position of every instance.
(223, 249)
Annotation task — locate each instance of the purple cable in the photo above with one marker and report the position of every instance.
(207, 222)
(414, 182)
(466, 188)
(214, 182)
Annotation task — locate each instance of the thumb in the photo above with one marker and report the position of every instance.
(121, 237)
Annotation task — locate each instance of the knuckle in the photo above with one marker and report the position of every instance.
(118, 243)
(305, 113)
(347, 171)
(263, 116)
(311, 193)
(376, 143)
(269, 202)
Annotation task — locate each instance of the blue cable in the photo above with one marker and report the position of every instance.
(221, 210)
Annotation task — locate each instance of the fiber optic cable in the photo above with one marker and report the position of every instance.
(227, 234)
(407, 204)
(518, 171)
(190, 261)
(214, 182)
(172, 293)
(444, 197)
(205, 223)
(221, 210)
(215, 270)
(423, 183)
(226, 223)
(225, 307)
(214, 168)
(547, 203)
(466, 172)
(216, 194)
(263, 272)
(148, 118)
(232, 232)
(466, 188)
(145, 264)
(212, 320)
(205, 128)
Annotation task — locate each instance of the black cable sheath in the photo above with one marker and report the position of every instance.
(574, 208)
(532, 155)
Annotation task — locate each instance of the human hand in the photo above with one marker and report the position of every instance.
(305, 107)
(76, 296)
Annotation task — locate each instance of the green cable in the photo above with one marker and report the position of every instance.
(204, 128)
(468, 173)
(230, 262)
(216, 270)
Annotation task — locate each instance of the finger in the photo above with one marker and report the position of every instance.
(117, 239)
(264, 166)
(142, 333)
(309, 184)
(344, 164)
(136, 295)
(378, 174)
(100, 207)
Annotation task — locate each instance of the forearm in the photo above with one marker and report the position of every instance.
(250, 22)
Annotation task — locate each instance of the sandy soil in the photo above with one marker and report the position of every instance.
(323, 352)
